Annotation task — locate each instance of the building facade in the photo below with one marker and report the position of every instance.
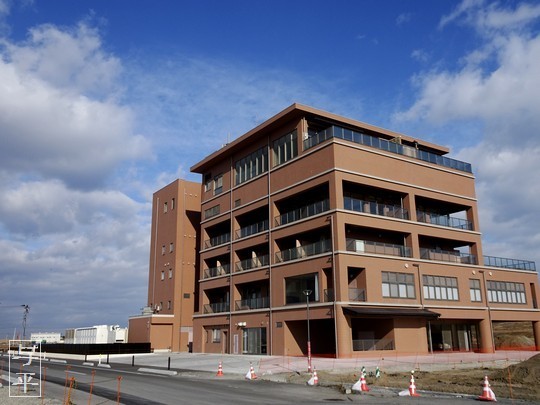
(96, 334)
(166, 321)
(319, 229)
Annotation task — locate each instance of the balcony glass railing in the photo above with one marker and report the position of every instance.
(443, 220)
(216, 307)
(301, 252)
(371, 207)
(361, 345)
(252, 303)
(217, 271)
(303, 212)
(516, 264)
(217, 240)
(355, 294)
(253, 263)
(252, 229)
(366, 246)
(448, 256)
(383, 144)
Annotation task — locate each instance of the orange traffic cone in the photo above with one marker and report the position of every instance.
(487, 393)
(251, 373)
(314, 380)
(219, 370)
(412, 388)
(361, 384)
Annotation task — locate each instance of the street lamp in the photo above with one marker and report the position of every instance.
(307, 293)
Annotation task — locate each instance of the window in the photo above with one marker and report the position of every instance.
(169, 304)
(207, 182)
(285, 148)
(476, 293)
(163, 249)
(165, 207)
(170, 273)
(295, 287)
(507, 292)
(440, 288)
(251, 166)
(171, 247)
(216, 335)
(218, 184)
(210, 212)
(398, 285)
(162, 275)
(173, 204)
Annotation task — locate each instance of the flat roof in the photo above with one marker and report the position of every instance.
(298, 111)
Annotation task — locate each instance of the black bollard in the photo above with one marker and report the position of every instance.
(107, 358)
(169, 364)
(132, 361)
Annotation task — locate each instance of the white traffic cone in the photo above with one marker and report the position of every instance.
(361, 384)
(487, 393)
(251, 373)
(314, 380)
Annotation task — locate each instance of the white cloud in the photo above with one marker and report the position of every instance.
(498, 87)
(403, 18)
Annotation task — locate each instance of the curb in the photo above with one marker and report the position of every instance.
(157, 371)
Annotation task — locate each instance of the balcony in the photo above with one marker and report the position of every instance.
(252, 229)
(355, 294)
(302, 212)
(217, 271)
(515, 264)
(452, 256)
(252, 303)
(387, 249)
(383, 144)
(362, 345)
(216, 307)
(304, 251)
(217, 240)
(253, 263)
(443, 220)
(371, 207)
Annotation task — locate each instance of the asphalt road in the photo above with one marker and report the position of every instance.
(136, 387)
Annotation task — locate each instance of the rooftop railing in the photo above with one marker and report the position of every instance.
(314, 138)
(300, 252)
(443, 220)
(303, 212)
(516, 264)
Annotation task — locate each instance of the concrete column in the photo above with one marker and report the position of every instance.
(536, 332)
(486, 337)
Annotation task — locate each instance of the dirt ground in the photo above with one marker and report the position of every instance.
(520, 381)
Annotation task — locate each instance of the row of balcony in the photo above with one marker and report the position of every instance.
(355, 295)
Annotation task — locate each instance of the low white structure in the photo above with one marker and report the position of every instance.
(97, 334)
(46, 337)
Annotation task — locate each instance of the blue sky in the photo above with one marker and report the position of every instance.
(104, 102)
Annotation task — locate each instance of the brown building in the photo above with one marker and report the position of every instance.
(371, 235)
(167, 321)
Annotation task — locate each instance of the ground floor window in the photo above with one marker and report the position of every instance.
(453, 336)
(254, 341)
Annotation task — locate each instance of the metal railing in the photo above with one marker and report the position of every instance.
(253, 263)
(443, 220)
(362, 345)
(252, 229)
(217, 271)
(217, 240)
(372, 207)
(216, 307)
(300, 252)
(355, 294)
(252, 303)
(448, 256)
(366, 246)
(302, 212)
(492, 261)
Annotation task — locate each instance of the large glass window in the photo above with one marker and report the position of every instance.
(218, 184)
(252, 165)
(398, 285)
(476, 292)
(295, 287)
(285, 148)
(440, 288)
(507, 292)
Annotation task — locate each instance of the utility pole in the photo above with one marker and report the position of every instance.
(26, 310)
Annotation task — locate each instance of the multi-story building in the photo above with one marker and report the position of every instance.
(318, 228)
(166, 321)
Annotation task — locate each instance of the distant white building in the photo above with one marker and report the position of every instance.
(97, 334)
(46, 337)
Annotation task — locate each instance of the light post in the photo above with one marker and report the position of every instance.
(307, 293)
